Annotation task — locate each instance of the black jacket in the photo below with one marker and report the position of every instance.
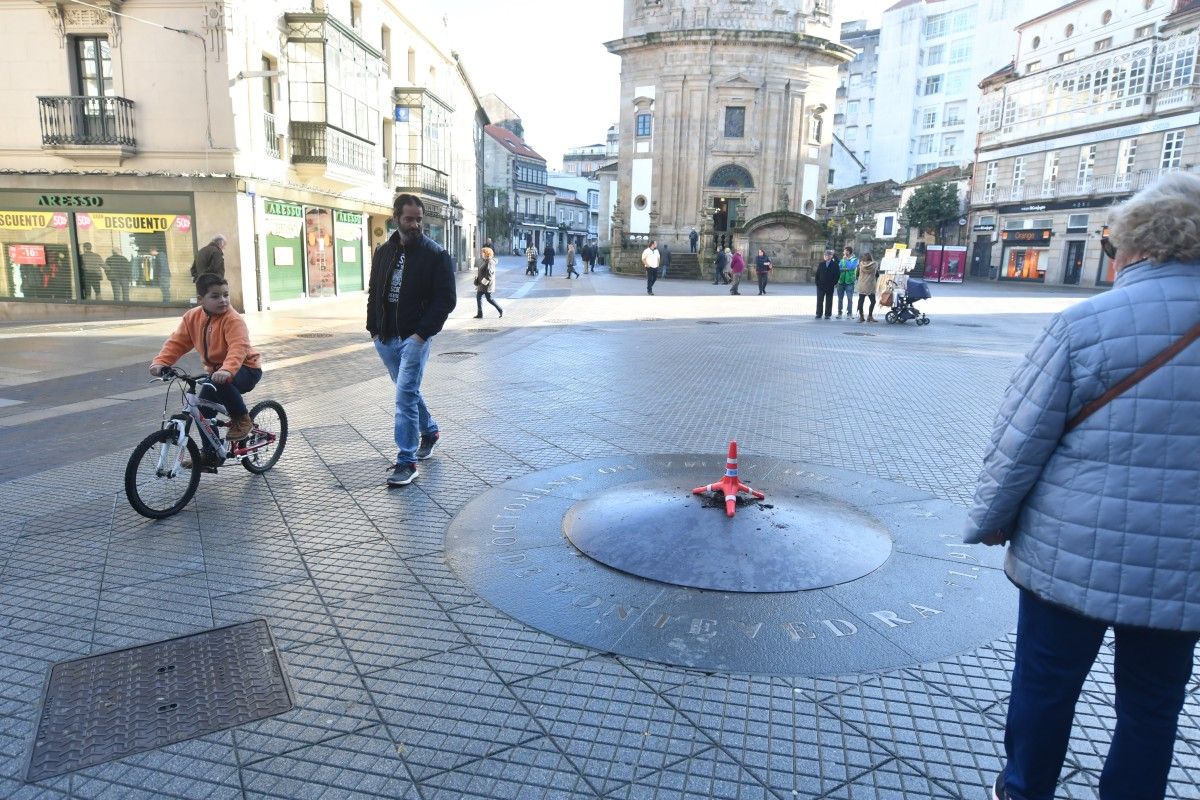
(548, 256)
(827, 274)
(210, 258)
(427, 294)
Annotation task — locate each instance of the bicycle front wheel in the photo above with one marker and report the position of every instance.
(149, 485)
(267, 439)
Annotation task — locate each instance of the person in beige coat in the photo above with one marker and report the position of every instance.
(485, 281)
(868, 272)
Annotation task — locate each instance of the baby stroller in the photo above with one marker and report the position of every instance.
(907, 294)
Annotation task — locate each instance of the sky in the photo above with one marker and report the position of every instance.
(547, 60)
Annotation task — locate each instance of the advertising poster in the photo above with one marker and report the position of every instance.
(318, 251)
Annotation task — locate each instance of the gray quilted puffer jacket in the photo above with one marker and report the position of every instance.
(1105, 519)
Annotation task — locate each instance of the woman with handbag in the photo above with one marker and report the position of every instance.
(485, 281)
(864, 284)
(1091, 479)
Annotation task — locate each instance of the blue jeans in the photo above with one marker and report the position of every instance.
(846, 290)
(230, 394)
(405, 362)
(1055, 651)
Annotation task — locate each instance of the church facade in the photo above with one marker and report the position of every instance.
(726, 125)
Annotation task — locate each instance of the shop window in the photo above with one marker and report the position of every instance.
(1025, 264)
(37, 256)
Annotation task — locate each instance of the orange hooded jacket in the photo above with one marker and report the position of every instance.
(223, 341)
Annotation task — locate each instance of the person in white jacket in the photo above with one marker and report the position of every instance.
(650, 259)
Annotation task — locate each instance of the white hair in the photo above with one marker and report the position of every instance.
(1162, 221)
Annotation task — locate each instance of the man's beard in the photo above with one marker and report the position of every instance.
(408, 237)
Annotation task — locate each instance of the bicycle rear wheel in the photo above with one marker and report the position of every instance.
(148, 483)
(269, 421)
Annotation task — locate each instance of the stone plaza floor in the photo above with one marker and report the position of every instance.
(406, 683)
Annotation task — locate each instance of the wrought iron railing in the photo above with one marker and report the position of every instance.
(317, 143)
(420, 179)
(87, 121)
(270, 137)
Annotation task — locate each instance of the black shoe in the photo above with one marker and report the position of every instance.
(501, 310)
(998, 791)
(428, 442)
(477, 316)
(402, 475)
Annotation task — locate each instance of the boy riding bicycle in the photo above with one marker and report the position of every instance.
(219, 334)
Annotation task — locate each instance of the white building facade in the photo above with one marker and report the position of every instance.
(932, 56)
(285, 128)
(1101, 100)
(853, 118)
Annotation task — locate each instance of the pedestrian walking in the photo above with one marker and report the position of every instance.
(119, 270)
(210, 258)
(664, 259)
(162, 272)
(848, 273)
(737, 265)
(571, 262)
(1090, 478)
(409, 296)
(548, 259)
(531, 261)
(864, 285)
(485, 281)
(762, 268)
(693, 239)
(91, 267)
(650, 257)
(826, 277)
(720, 264)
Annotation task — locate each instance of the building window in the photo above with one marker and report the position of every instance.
(1069, 31)
(356, 14)
(1172, 151)
(1176, 63)
(1103, 44)
(924, 145)
(1087, 164)
(935, 54)
(954, 115)
(956, 82)
(949, 145)
(989, 181)
(986, 220)
(1050, 171)
(93, 67)
(1077, 223)
(1065, 56)
(936, 26)
(1106, 18)
(933, 85)
(412, 67)
(852, 135)
(268, 86)
(735, 121)
(1143, 32)
(1033, 66)
(1126, 155)
(960, 51)
(643, 125)
(1018, 178)
(929, 119)
(1036, 43)
(816, 127)
(385, 44)
(963, 20)
(851, 108)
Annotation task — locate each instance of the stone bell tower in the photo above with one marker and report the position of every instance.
(726, 124)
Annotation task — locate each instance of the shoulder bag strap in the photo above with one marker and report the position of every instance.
(1136, 377)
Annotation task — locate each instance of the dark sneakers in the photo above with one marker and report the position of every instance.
(428, 442)
(998, 792)
(402, 475)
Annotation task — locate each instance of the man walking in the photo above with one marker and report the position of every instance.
(827, 279)
(548, 259)
(119, 270)
(650, 258)
(92, 267)
(664, 259)
(693, 239)
(210, 258)
(410, 294)
(847, 275)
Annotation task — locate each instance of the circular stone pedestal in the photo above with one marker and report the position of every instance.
(661, 531)
(834, 573)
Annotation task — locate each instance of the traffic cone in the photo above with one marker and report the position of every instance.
(729, 485)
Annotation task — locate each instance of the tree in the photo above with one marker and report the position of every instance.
(932, 206)
(498, 218)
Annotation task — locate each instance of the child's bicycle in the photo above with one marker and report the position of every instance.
(157, 482)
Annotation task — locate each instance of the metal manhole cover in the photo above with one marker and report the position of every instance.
(458, 355)
(314, 335)
(483, 330)
(707, 322)
(856, 333)
(966, 324)
(112, 705)
(649, 319)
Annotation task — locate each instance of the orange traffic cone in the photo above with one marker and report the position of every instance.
(730, 486)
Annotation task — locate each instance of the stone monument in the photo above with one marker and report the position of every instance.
(723, 102)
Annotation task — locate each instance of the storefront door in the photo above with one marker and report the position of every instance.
(348, 247)
(981, 256)
(1074, 263)
(285, 252)
(318, 253)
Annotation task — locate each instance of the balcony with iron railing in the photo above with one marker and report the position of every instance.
(270, 136)
(1085, 186)
(90, 126)
(317, 143)
(420, 179)
(532, 219)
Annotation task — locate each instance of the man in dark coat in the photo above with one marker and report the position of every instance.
(548, 259)
(162, 272)
(693, 238)
(211, 258)
(664, 254)
(827, 278)
(119, 270)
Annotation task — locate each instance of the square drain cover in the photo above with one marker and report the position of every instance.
(115, 704)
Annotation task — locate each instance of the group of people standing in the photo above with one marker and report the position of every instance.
(587, 254)
(729, 266)
(848, 276)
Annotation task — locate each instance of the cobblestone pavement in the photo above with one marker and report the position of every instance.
(406, 684)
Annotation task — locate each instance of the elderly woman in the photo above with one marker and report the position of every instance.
(485, 281)
(1092, 478)
(864, 284)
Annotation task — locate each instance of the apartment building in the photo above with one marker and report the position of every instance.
(932, 56)
(517, 179)
(1101, 98)
(141, 129)
(854, 107)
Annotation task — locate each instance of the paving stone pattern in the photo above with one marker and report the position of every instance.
(408, 686)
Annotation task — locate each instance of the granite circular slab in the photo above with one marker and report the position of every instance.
(930, 597)
(659, 530)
